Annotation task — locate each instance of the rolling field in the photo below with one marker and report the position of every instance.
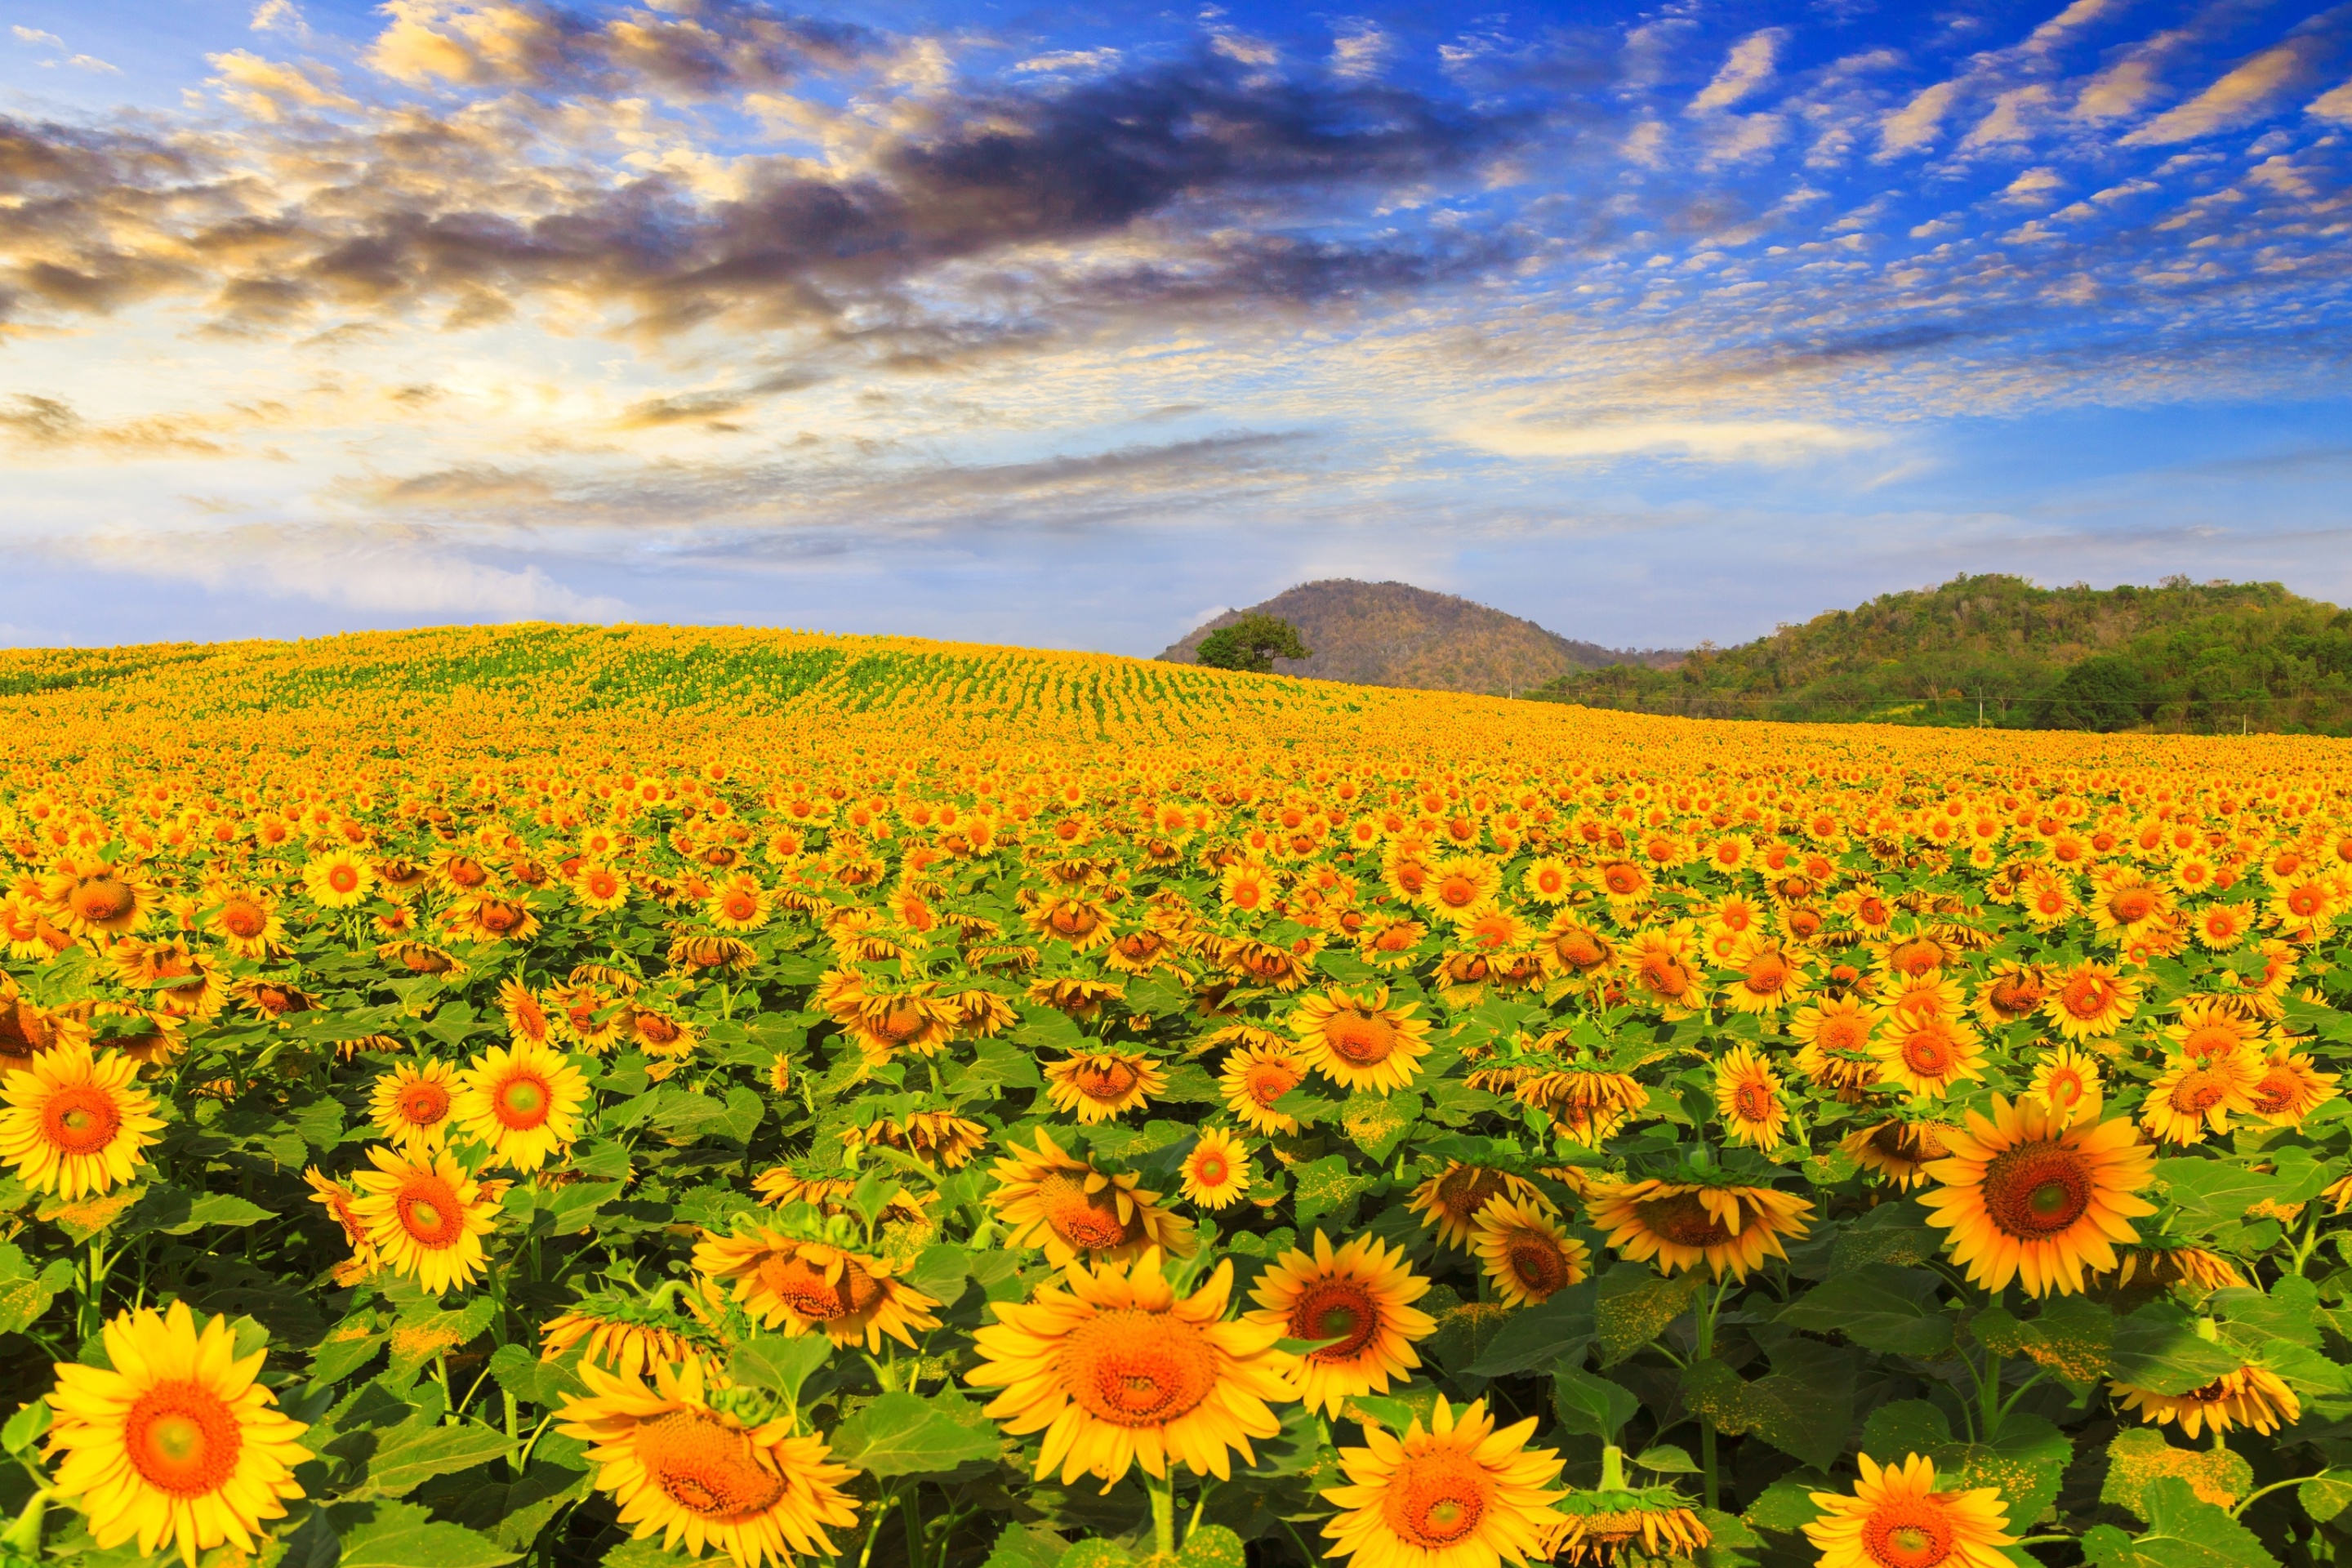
(606, 1095)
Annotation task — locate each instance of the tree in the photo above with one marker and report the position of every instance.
(2102, 692)
(1253, 643)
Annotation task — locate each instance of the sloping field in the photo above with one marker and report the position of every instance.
(586, 1095)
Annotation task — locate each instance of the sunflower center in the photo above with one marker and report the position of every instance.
(1364, 1038)
(2013, 999)
(1767, 974)
(2209, 1040)
(1912, 1533)
(1463, 1192)
(2131, 905)
(2036, 1190)
(2065, 1087)
(1622, 879)
(2275, 1092)
(1843, 1032)
(1681, 1219)
(2198, 1091)
(705, 1466)
(80, 1119)
(1435, 1500)
(183, 1438)
(1752, 1100)
(1269, 1081)
(1210, 1170)
(1338, 1309)
(803, 1287)
(1915, 958)
(1927, 1053)
(430, 1213)
(2086, 996)
(424, 1104)
(244, 920)
(1105, 1078)
(1086, 1220)
(1133, 1368)
(524, 1103)
(1579, 950)
(1535, 1261)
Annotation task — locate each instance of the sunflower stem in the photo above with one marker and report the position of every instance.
(1612, 1469)
(1162, 1488)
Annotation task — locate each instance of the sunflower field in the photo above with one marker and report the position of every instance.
(621, 1095)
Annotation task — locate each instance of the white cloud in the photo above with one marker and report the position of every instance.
(2335, 104)
(2244, 94)
(1917, 123)
(278, 16)
(91, 63)
(2033, 187)
(1071, 60)
(34, 35)
(1357, 56)
(1770, 441)
(1750, 66)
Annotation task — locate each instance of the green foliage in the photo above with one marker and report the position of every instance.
(1252, 643)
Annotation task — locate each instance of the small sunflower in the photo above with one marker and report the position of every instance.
(177, 1445)
(338, 879)
(1836, 1036)
(2208, 1026)
(1454, 1495)
(1525, 1251)
(696, 1475)
(248, 925)
(1360, 1042)
(410, 1105)
(1748, 1095)
(1897, 1151)
(523, 1103)
(2066, 1077)
(1451, 1200)
(1048, 1199)
(2290, 1089)
(1928, 1058)
(613, 1338)
(599, 889)
(1118, 1371)
(1617, 1523)
(1682, 1223)
(425, 1218)
(1100, 1086)
(2038, 1194)
(1360, 1295)
(2251, 1397)
(2091, 1001)
(803, 1285)
(97, 898)
(2190, 1099)
(1894, 1517)
(76, 1124)
(1217, 1171)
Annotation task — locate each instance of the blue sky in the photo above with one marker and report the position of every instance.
(1072, 325)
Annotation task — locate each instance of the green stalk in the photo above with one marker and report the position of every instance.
(1612, 1469)
(1163, 1513)
(1988, 1399)
(914, 1524)
(1703, 1350)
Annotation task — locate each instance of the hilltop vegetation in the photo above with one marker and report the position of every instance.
(1392, 634)
(2198, 657)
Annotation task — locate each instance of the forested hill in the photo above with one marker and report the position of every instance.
(1392, 634)
(2180, 656)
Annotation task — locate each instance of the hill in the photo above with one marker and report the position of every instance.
(2200, 657)
(1392, 634)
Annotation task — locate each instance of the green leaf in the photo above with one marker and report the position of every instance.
(25, 1428)
(1590, 1405)
(2213, 1192)
(1096, 1555)
(2327, 1496)
(779, 1364)
(902, 1434)
(2182, 1533)
(1327, 1188)
(1895, 1431)
(1666, 1460)
(939, 1272)
(1377, 1123)
(2027, 1462)
(997, 1065)
(2157, 1349)
(1803, 1407)
(348, 1345)
(419, 1448)
(1894, 1233)
(1026, 1546)
(1211, 1546)
(401, 1535)
(1880, 1307)
(1539, 1335)
(2072, 1335)
(1635, 1305)
(1787, 1504)
(2140, 1455)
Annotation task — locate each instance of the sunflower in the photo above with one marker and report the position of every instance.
(736, 905)
(1118, 1371)
(586, 1014)
(410, 1105)
(697, 1475)
(613, 1339)
(1548, 881)
(2064, 1076)
(1748, 1094)
(1358, 1040)
(1527, 1254)
(1616, 1522)
(491, 918)
(1100, 1086)
(1769, 979)
(2038, 1194)
(177, 1444)
(2305, 910)
(2290, 1089)
(76, 1124)
(1360, 1295)
(248, 925)
(599, 889)
(1256, 1075)
(338, 879)
(1626, 884)
(1572, 951)
(2091, 1002)
(2251, 1397)
(2010, 993)
(1248, 887)
(1659, 970)
(97, 898)
(1451, 1199)
(803, 1285)
(2219, 928)
(2124, 911)
(1458, 1494)
(1835, 1037)
(1900, 1152)
(2049, 899)
(2209, 1027)
(342, 1203)
(1461, 886)
(2190, 1099)
(941, 1138)
(1066, 1206)
(523, 1103)
(1682, 1225)
(1217, 1171)
(1896, 1519)
(426, 1219)
(1929, 1057)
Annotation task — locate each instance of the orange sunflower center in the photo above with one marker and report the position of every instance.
(2275, 1092)
(1927, 1053)
(183, 1438)
(1915, 958)
(1086, 1220)
(1681, 1219)
(523, 1102)
(2086, 996)
(1105, 1078)
(1536, 1262)
(1665, 976)
(106, 899)
(2036, 1190)
(1269, 1081)
(1436, 1500)
(1133, 1368)
(429, 1211)
(2065, 1087)
(244, 920)
(1579, 950)
(2209, 1040)
(2013, 996)
(1463, 1192)
(1365, 1038)
(342, 878)
(1209, 1169)
(1843, 1032)
(424, 1104)
(706, 1467)
(1337, 1308)
(1622, 879)
(1766, 974)
(80, 1119)
(2303, 900)
(1751, 1100)
(803, 1287)
(742, 905)
(2198, 1091)
(2131, 905)
(1911, 1533)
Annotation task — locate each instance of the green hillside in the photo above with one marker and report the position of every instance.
(1997, 649)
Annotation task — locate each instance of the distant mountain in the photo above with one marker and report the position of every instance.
(1392, 634)
(1997, 649)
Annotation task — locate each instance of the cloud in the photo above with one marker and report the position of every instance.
(2247, 92)
(1766, 441)
(91, 63)
(720, 45)
(1062, 60)
(34, 35)
(38, 425)
(2333, 104)
(1917, 123)
(1748, 67)
(278, 16)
